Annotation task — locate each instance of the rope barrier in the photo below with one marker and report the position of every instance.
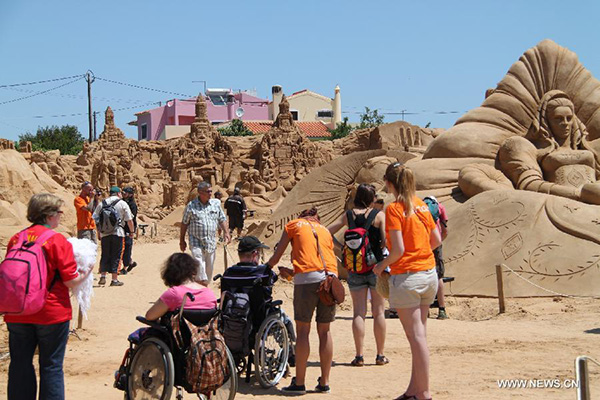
(548, 290)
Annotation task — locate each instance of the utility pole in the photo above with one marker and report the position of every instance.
(90, 78)
(95, 137)
(403, 111)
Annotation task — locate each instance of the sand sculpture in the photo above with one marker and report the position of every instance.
(331, 188)
(537, 131)
(284, 155)
(165, 173)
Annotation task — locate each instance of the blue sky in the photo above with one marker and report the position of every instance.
(422, 57)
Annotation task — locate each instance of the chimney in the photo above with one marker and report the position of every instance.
(277, 93)
(337, 106)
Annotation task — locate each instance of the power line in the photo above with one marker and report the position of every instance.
(45, 81)
(81, 113)
(42, 92)
(79, 97)
(143, 87)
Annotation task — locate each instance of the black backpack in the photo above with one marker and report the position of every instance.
(236, 323)
(109, 219)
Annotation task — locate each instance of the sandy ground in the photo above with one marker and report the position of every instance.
(535, 339)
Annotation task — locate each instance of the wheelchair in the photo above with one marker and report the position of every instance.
(153, 364)
(272, 336)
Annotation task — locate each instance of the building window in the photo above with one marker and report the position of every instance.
(144, 132)
(325, 114)
(294, 115)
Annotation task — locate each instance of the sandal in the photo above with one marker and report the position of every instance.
(381, 360)
(405, 397)
(358, 361)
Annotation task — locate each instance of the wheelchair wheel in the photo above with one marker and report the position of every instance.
(271, 351)
(152, 371)
(229, 389)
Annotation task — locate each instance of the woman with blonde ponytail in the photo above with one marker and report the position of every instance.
(411, 234)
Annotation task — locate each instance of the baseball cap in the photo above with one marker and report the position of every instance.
(115, 189)
(250, 243)
(128, 189)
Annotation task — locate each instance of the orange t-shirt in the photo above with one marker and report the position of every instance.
(84, 217)
(305, 255)
(416, 230)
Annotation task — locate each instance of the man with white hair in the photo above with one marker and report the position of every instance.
(201, 219)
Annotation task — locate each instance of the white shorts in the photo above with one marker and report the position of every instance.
(206, 261)
(413, 289)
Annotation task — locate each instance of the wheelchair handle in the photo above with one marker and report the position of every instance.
(185, 297)
(217, 277)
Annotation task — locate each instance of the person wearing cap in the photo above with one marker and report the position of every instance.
(201, 218)
(236, 211)
(249, 250)
(85, 204)
(112, 244)
(442, 223)
(128, 264)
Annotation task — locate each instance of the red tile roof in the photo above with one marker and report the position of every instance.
(312, 129)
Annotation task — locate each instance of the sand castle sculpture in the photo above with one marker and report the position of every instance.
(526, 163)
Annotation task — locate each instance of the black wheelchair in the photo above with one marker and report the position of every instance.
(272, 336)
(154, 364)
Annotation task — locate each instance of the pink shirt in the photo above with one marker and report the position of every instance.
(205, 298)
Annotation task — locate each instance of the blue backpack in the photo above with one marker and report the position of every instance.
(434, 208)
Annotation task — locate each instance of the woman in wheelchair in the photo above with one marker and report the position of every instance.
(156, 359)
(179, 274)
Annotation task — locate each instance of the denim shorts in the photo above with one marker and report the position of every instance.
(413, 289)
(361, 281)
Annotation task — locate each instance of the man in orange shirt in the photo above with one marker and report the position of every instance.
(85, 204)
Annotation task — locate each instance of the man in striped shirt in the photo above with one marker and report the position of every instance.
(201, 219)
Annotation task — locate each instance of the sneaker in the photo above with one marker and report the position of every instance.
(131, 266)
(123, 272)
(322, 388)
(116, 283)
(102, 281)
(442, 315)
(294, 389)
(381, 360)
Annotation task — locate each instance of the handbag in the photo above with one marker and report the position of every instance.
(331, 291)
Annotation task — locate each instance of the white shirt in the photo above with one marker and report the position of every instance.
(122, 208)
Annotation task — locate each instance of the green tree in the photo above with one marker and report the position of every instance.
(342, 129)
(235, 128)
(66, 138)
(370, 119)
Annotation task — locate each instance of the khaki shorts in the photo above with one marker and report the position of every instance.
(306, 300)
(413, 289)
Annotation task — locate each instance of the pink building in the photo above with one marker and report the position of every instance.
(174, 118)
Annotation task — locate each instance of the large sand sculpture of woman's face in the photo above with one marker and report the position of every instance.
(526, 162)
(560, 120)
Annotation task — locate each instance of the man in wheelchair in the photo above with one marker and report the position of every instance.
(255, 328)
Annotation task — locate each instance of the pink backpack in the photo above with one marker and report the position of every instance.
(24, 276)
